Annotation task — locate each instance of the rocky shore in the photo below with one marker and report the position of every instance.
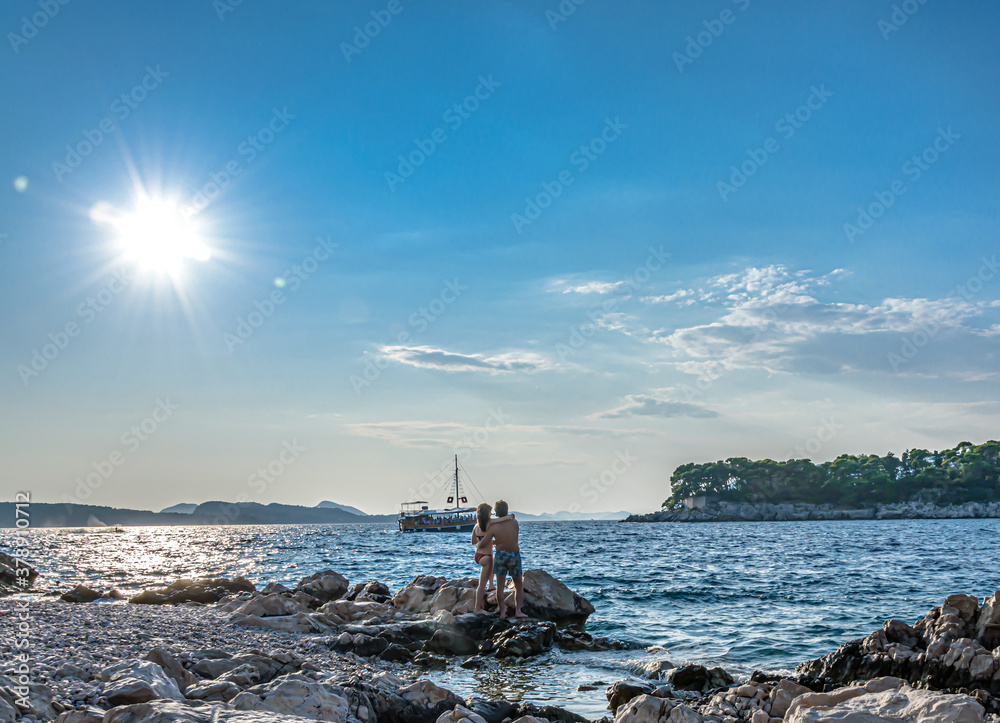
(778, 512)
(222, 650)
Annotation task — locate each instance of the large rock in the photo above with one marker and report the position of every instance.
(163, 711)
(358, 611)
(140, 682)
(951, 648)
(430, 699)
(461, 714)
(623, 691)
(549, 599)
(207, 590)
(267, 667)
(699, 678)
(15, 575)
(649, 709)
(294, 695)
(268, 605)
(172, 668)
(876, 701)
(374, 590)
(81, 594)
(37, 703)
(324, 585)
(544, 597)
(90, 714)
(296, 623)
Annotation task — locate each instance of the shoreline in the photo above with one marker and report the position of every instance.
(206, 650)
(805, 512)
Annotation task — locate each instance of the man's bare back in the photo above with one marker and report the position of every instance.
(505, 535)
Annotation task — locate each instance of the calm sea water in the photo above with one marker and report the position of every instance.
(742, 595)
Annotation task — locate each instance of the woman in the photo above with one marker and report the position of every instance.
(484, 550)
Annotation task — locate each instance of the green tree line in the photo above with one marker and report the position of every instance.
(966, 473)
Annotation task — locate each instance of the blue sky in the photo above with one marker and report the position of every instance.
(572, 275)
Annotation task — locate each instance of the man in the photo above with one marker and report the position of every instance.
(507, 559)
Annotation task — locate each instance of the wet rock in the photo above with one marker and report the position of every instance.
(325, 585)
(476, 662)
(492, 711)
(396, 654)
(375, 591)
(10, 579)
(450, 642)
(426, 695)
(623, 691)
(368, 645)
(81, 594)
(207, 590)
(575, 638)
(429, 661)
(139, 682)
(951, 648)
(524, 639)
(547, 713)
(699, 678)
(294, 695)
(655, 670)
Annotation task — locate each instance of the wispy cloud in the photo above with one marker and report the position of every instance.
(646, 405)
(427, 357)
(566, 286)
(426, 434)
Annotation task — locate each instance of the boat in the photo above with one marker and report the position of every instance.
(419, 517)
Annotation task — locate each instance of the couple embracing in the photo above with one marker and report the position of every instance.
(501, 531)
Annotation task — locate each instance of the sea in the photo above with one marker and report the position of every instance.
(744, 596)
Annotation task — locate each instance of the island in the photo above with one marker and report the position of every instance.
(961, 482)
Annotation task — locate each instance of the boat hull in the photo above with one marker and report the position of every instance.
(436, 528)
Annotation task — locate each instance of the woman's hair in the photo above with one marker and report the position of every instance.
(483, 516)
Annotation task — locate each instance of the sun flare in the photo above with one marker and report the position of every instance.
(158, 236)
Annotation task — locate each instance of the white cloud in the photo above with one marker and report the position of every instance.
(587, 287)
(430, 358)
(684, 297)
(772, 320)
(645, 405)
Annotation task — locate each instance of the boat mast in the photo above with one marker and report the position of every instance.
(457, 505)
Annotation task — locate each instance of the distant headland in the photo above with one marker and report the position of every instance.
(232, 513)
(206, 513)
(961, 482)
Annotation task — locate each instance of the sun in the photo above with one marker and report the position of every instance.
(159, 236)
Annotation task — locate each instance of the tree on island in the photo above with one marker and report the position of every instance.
(966, 473)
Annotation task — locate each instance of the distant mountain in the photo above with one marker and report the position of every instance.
(571, 516)
(184, 508)
(207, 513)
(254, 513)
(327, 505)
